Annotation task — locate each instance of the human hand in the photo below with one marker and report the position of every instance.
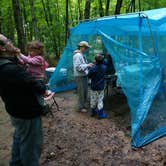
(21, 54)
(46, 94)
(16, 51)
(90, 65)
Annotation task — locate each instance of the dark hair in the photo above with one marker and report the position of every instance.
(99, 58)
(2, 43)
(9, 47)
(36, 46)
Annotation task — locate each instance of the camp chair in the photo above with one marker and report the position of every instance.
(50, 101)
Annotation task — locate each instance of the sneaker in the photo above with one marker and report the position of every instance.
(83, 110)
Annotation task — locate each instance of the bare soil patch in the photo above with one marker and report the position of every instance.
(76, 139)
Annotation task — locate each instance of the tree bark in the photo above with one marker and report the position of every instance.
(45, 12)
(131, 7)
(10, 24)
(101, 11)
(87, 9)
(34, 20)
(118, 6)
(1, 17)
(19, 24)
(79, 10)
(51, 27)
(139, 5)
(107, 7)
(28, 32)
(67, 21)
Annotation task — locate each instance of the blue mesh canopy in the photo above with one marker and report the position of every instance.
(136, 43)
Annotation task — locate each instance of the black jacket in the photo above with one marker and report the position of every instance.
(97, 76)
(18, 90)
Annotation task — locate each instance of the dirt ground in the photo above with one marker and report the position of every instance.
(76, 139)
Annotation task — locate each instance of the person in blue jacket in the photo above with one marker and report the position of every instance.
(97, 76)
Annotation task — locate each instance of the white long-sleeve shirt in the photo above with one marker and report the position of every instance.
(80, 65)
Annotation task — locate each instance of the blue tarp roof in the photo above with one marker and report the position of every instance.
(126, 23)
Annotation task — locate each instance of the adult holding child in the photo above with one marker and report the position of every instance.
(81, 67)
(18, 90)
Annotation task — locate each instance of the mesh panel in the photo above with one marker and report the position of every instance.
(137, 47)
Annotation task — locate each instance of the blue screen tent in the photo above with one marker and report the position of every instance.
(136, 43)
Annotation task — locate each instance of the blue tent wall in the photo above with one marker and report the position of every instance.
(136, 43)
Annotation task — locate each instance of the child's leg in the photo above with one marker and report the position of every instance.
(93, 99)
(101, 114)
(93, 102)
(100, 97)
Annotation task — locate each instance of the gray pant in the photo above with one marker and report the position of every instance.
(82, 91)
(27, 142)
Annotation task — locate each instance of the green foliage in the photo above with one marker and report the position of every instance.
(50, 20)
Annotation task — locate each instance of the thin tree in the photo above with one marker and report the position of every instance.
(19, 24)
(10, 24)
(45, 13)
(34, 20)
(87, 9)
(28, 32)
(139, 5)
(107, 7)
(48, 19)
(118, 6)
(131, 6)
(101, 11)
(79, 10)
(1, 17)
(67, 21)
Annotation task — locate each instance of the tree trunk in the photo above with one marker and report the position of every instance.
(10, 24)
(67, 21)
(101, 11)
(79, 10)
(60, 42)
(28, 31)
(131, 6)
(118, 6)
(45, 13)
(87, 9)
(51, 27)
(107, 7)
(48, 19)
(139, 4)
(1, 17)
(19, 25)
(34, 20)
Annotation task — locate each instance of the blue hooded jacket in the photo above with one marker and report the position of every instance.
(97, 76)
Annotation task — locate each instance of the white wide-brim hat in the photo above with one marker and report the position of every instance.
(84, 44)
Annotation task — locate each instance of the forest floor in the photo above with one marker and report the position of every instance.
(76, 139)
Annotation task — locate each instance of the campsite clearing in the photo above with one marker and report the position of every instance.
(72, 138)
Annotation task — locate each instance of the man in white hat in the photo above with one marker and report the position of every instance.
(80, 73)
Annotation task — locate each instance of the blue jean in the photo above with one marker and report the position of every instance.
(27, 142)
